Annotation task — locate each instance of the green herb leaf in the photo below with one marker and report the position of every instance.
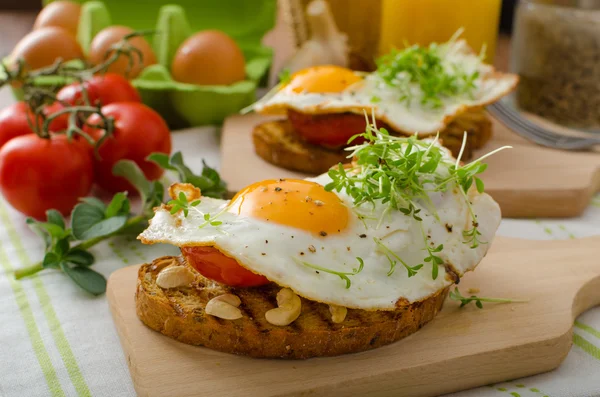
(119, 205)
(464, 300)
(54, 217)
(479, 184)
(93, 201)
(79, 257)
(89, 280)
(285, 76)
(105, 227)
(83, 218)
(209, 182)
(134, 175)
(51, 260)
(342, 275)
(89, 221)
(61, 247)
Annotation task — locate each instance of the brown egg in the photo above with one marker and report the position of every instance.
(209, 58)
(43, 46)
(111, 35)
(62, 14)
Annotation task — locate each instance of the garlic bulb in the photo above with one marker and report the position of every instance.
(326, 46)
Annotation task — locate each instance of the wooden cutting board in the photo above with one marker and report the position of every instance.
(527, 181)
(459, 349)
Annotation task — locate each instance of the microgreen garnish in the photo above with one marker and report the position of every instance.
(92, 221)
(464, 300)
(342, 275)
(181, 204)
(436, 77)
(388, 252)
(210, 220)
(401, 172)
(285, 76)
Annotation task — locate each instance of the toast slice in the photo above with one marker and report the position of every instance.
(276, 142)
(179, 314)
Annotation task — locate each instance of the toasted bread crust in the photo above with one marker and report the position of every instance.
(276, 142)
(179, 314)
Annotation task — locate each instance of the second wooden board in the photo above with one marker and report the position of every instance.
(527, 181)
(459, 349)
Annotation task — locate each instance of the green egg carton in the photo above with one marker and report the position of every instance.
(181, 104)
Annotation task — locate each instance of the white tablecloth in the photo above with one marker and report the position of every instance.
(57, 340)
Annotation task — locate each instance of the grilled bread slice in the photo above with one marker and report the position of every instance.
(179, 313)
(276, 142)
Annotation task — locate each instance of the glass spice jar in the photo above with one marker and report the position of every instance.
(556, 52)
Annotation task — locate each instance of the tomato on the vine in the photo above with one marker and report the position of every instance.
(59, 123)
(38, 174)
(213, 264)
(138, 132)
(15, 121)
(101, 90)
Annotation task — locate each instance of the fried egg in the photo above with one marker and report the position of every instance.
(333, 89)
(301, 236)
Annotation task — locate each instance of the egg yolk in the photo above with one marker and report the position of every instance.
(322, 79)
(292, 202)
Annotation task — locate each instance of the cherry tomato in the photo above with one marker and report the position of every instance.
(101, 89)
(331, 130)
(212, 264)
(38, 174)
(138, 132)
(14, 121)
(60, 123)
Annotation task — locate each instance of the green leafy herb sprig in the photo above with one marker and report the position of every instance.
(412, 270)
(465, 300)
(401, 172)
(342, 275)
(209, 181)
(426, 68)
(92, 221)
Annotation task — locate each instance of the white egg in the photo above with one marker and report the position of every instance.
(371, 93)
(305, 261)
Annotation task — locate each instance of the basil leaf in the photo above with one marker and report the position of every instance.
(54, 217)
(93, 201)
(132, 172)
(79, 257)
(89, 280)
(83, 217)
(51, 260)
(118, 204)
(103, 227)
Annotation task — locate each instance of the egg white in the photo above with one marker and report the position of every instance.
(403, 117)
(275, 250)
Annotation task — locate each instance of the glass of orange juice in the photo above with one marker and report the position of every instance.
(426, 21)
